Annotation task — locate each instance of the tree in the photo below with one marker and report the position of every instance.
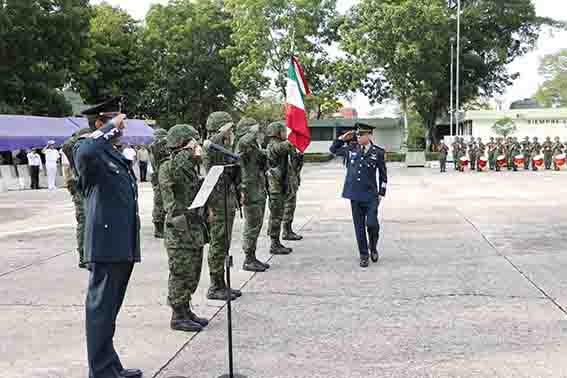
(39, 45)
(190, 78)
(553, 91)
(406, 44)
(504, 127)
(265, 110)
(114, 63)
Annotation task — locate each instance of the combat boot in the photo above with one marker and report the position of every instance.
(158, 230)
(253, 265)
(217, 290)
(265, 265)
(276, 248)
(202, 321)
(180, 320)
(288, 233)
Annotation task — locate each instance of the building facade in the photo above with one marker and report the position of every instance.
(539, 123)
(388, 132)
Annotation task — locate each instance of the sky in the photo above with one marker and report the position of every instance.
(525, 86)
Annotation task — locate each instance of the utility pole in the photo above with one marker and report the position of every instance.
(457, 101)
(452, 109)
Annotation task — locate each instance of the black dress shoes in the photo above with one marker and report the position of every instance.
(131, 373)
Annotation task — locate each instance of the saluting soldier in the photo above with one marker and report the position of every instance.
(158, 155)
(219, 125)
(365, 186)
(535, 150)
(557, 150)
(184, 229)
(527, 151)
(547, 147)
(112, 241)
(253, 189)
(443, 151)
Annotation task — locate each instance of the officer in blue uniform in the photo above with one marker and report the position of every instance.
(364, 189)
(111, 239)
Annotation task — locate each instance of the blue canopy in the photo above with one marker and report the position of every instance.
(25, 132)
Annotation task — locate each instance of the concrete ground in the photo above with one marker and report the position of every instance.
(471, 284)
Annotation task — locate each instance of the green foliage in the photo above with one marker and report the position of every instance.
(39, 45)
(416, 134)
(190, 78)
(432, 156)
(395, 157)
(553, 91)
(265, 110)
(318, 157)
(504, 127)
(113, 63)
(406, 44)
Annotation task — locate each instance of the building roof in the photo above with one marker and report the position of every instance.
(529, 114)
(378, 123)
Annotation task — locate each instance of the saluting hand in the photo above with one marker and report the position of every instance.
(347, 137)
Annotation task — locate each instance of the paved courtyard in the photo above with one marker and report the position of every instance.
(472, 284)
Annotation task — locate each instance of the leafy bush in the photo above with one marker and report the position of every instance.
(318, 157)
(395, 157)
(432, 156)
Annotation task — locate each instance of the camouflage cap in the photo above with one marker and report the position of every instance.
(245, 125)
(82, 131)
(275, 129)
(160, 134)
(180, 135)
(217, 120)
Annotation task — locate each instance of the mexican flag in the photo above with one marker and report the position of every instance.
(296, 119)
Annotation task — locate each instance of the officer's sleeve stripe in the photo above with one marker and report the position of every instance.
(383, 185)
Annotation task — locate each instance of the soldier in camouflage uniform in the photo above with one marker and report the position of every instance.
(515, 149)
(526, 150)
(472, 153)
(557, 150)
(219, 126)
(480, 148)
(294, 172)
(158, 155)
(72, 185)
(491, 154)
(535, 150)
(499, 150)
(547, 152)
(509, 155)
(278, 151)
(457, 153)
(253, 189)
(184, 229)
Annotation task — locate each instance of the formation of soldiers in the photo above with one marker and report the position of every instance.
(269, 171)
(502, 153)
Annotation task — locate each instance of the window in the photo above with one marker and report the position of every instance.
(321, 134)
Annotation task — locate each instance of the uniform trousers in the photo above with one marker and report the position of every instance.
(34, 176)
(107, 287)
(365, 219)
(51, 176)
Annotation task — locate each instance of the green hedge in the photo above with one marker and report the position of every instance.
(318, 157)
(395, 157)
(432, 156)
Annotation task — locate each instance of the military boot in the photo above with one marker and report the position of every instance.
(158, 230)
(202, 321)
(217, 290)
(276, 248)
(180, 320)
(265, 265)
(253, 265)
(288, 233)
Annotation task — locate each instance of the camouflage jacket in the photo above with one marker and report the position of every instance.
(278, 152)
(179, 183)
(72, 180)
(157, 156)
(557, 148)
(212, 158)
(253, 167)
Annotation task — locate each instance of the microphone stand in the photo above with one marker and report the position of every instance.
(227, 181)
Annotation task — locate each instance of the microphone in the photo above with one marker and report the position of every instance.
(215, 147)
